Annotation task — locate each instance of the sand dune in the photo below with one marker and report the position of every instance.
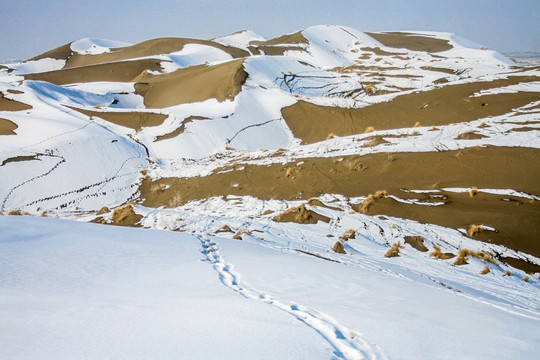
(132, 119)
(442, 106)
(411, 41)
(192, 84)
(124, 71)
(492, 167)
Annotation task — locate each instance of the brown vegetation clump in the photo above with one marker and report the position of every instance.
(300, 215)
(438, 254)
(473, 191)
(348, 234)
(125, 215)
(224, 228)
(507, 273)
(481, 255)
(339, 248)
(369, 129)
(103, 210)
(475, 230)
(239, 233)
(15, 212)
(394, 250)
(416, 242)
(526, 278)
(330, 136)
(370, 199)
(485, 270)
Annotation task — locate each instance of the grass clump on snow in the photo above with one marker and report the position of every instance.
(438, 254)
(370, 199)
(394, 250)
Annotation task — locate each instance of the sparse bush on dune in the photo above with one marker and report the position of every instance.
(239, 233)
(473, 191)
(438, 254)
(330, 136)
(15, 212)
(481, 255)
(394, 250)
(369, 129)
(507, 273)
(348, 234)
(485, 270)
(475, 230)
(370, 199)
(526, 278)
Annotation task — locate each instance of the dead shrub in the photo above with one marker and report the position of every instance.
(417, 124)
(369, 129)
(485, 270)
(394, 250)
(475, 230)
(103, 210)
(348, 234)
(239, 233)
(526, 278)
(224, 228)
(438, 254)
(473, 191)
(15, 212)
(370, 199)
(507, 273)
(330, 136)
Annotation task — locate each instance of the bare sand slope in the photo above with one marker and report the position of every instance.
(411, 41)
(7, 127)
(131, 119)
(122, 71)
(12, 105)
(277, 46)
(490, 167)
(192, 84)
(442, 106)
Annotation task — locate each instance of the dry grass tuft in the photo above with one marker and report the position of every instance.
(485, 270)
(475, 230)
(103, 210)
(44, 214)
(15, 212)
(369, 129)
(229, 148)
(369, 89)
(370, 199)
(348, 234)
(224, 228)
(526, 278)
(394, 250)
(417, 124)
(289, 172)
(414, 133)
(339, 248)
(438, 254)
(482, 125)
(481, 255)
(473, 191)
(330, 136)
(507, 273)
(239, 233)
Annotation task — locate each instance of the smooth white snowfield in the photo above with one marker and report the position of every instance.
(86, 291)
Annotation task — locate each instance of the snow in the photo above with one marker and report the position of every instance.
(240, 39)
(91, 291)
(91, 46)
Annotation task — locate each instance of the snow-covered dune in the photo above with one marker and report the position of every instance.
(377, 195)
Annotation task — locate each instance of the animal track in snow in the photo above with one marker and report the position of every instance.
(347, 343)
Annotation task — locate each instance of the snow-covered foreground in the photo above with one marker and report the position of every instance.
(72, 290)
